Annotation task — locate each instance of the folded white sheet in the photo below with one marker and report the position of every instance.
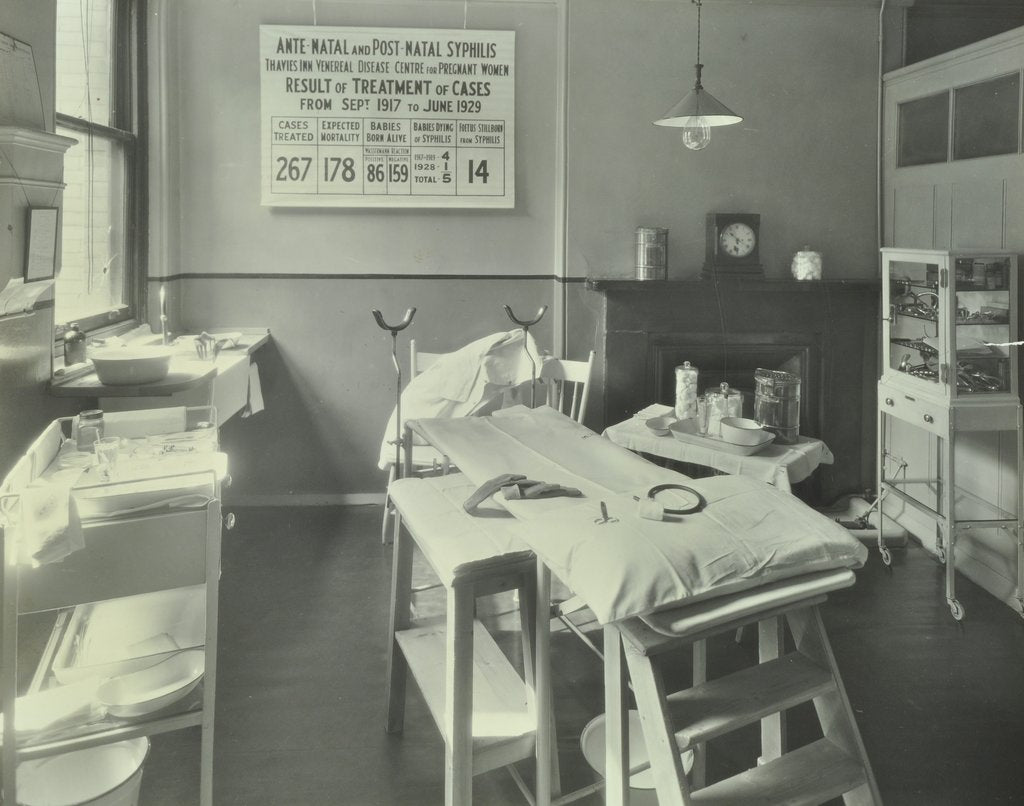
(750, 534)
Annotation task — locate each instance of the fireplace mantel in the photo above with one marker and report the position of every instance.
(829, 327)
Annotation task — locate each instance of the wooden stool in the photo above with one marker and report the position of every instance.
(483, 708)
(834, 765)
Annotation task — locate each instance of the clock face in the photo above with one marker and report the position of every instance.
(737, 240)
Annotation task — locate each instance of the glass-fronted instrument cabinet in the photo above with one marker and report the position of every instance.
(950, 320)
(110, 590)
(949, 369)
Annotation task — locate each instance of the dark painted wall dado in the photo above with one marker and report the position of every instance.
(836, 321)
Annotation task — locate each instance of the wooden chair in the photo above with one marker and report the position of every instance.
(568, 385)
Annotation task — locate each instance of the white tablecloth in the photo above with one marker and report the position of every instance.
(780, 465)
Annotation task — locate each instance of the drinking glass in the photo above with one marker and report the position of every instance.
(106, 455)
(702, 415)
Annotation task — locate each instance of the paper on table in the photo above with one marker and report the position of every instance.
(21, 297)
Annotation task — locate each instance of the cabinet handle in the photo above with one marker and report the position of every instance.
(890, 402)
(229, 521)
(929, 419)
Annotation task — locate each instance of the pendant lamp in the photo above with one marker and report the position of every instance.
(699, 110)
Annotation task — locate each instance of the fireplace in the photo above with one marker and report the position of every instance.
(825, 332)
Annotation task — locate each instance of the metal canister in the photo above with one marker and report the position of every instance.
(777, 403)
(651, 253)
(686, 391)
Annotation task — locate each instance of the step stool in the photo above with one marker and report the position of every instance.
(482, 706)
(831, 766)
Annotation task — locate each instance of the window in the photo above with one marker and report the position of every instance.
(99, 79)
(924, 130)
(985, 118)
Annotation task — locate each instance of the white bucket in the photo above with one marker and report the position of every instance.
(641, 784)
(107, 775)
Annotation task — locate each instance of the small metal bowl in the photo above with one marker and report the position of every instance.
(659, 426)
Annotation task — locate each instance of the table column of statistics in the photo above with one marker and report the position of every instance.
(388, 157)
(360, 117)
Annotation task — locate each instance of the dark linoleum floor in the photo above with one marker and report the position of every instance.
(300, 696)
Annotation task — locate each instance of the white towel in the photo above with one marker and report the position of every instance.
(48, 525)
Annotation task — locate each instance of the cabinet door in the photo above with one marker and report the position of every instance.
(913, 338)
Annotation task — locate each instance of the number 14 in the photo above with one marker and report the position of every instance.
(479, 172)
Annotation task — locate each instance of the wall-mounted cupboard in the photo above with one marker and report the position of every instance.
(952, 162)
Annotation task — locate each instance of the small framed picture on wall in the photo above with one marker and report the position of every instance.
(41, 254)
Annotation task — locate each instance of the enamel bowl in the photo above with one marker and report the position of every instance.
(660, 426)
(123, 366)
(741, 431)
(150, 689)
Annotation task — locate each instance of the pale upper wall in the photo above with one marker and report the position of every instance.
(215, 153)
(804, 77)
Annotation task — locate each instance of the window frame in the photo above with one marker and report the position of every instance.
(129, 119)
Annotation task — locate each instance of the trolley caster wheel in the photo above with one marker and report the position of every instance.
(956, 609)
(886, 555)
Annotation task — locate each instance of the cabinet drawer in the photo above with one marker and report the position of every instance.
(923, 413)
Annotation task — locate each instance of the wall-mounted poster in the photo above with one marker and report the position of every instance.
(387, 117)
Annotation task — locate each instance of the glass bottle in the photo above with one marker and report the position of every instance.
(74, 345)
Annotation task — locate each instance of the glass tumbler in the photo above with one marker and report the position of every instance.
(702, 415)
(107, 449)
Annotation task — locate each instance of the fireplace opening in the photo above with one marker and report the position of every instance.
(734, 361)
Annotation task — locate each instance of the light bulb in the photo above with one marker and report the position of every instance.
(697, 134)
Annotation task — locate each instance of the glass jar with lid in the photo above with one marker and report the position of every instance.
(722, 402)
(686, 391)
(90, 428)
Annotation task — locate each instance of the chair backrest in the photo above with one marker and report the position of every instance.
(419, 361)
(568, 385)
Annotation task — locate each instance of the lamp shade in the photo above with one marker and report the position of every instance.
(698, 103)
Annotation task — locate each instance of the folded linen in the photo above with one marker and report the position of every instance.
(749, 534)
(48, 525)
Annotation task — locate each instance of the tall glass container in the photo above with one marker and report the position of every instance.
(686, 391)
